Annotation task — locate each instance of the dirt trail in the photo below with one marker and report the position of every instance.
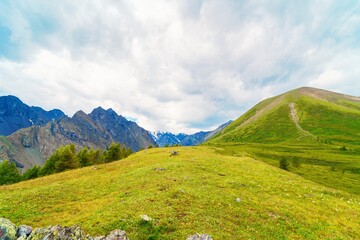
(296, 121)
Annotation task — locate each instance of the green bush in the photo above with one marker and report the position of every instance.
(343, 148)
(284, 164)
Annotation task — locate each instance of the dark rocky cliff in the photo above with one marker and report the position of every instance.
(14, 115)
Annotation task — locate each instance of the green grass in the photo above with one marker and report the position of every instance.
(322, 163)
(330, 121)
(269, 128)
(195, 193)
(335, 120)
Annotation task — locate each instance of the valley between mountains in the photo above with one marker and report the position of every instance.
(288, 168)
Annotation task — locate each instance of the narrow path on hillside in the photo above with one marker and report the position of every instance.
(296, 121)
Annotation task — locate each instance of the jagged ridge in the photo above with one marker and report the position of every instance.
(14, 115)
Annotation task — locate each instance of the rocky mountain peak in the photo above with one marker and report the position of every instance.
(98, 110)
(10, 101)
(80, 114)
(111, 112)
(14, 115)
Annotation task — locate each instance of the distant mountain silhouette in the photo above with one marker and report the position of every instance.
(14, 115)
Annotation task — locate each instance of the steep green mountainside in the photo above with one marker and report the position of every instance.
(200, 189)
(304, 115)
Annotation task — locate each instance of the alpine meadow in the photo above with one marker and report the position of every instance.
(231, 187)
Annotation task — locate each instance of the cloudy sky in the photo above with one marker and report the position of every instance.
(180, 66)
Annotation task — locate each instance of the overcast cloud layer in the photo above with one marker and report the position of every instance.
(178, 66)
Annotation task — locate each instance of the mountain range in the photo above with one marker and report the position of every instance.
(183, 139)
(34, 134)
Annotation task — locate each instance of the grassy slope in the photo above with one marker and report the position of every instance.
(336, 119)
(321, 163)
(196, 193)
(329, 120)
(272, 125)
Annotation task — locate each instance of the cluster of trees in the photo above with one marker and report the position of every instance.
(173, 145)
(166, 145)
(64, 158)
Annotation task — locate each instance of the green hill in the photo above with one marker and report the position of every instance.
(199, 190)
(304, 115)
(316, 131)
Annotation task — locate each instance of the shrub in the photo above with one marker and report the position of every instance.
(284, 164)
(343, 148)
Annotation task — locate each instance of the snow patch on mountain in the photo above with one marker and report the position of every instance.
(169, 139)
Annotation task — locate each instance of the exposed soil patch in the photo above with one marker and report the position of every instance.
(295, 119)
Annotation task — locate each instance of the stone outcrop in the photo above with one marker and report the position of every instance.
(8, 231)
(24, 231)
(199, 237)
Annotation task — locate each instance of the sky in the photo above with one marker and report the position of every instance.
(179, 66)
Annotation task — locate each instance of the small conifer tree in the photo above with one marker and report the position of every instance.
(32, 173)
(9, 173)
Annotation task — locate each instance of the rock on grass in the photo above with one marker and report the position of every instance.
(7, 230)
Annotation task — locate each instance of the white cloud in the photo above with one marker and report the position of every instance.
(327, 79)
(176, 65)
